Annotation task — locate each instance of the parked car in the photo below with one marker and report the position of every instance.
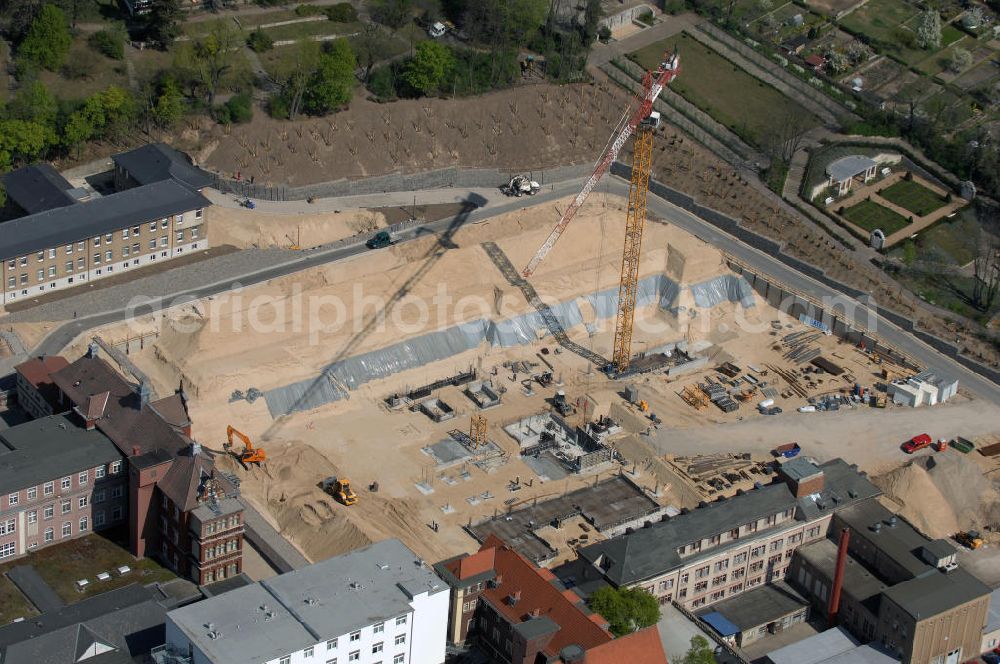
(917, 443)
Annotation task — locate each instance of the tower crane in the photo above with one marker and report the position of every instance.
(653, 83)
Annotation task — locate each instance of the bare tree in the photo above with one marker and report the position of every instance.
(372, 42)
(986, 271)
(784, 136)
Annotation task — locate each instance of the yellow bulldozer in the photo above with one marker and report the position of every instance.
(340, 489)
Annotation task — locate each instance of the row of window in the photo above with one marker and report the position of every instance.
(108, 239)
(66, 506)
(66, 484)
(733, 534)
(221, 549)
(219, 574)
(49, 535)
(220, 525)
(356, 654)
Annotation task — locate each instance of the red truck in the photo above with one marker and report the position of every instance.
(917, 443)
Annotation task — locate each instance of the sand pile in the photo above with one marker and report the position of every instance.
(254, 228)
(942, 494)
(287, 488)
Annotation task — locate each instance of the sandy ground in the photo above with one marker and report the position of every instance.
(219, 345)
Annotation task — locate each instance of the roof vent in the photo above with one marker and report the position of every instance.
(214, 635)
(383, 566)
(852, 493)
(354, 585)
(514, 598)
(209, 626)
(891, 521)
(877, 527)
(312, 601)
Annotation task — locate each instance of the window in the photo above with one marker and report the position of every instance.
(152, 243)
(180, 236)
(354, 656)
(285, 659)
(41, 256)
(124, 233)
(82, 501)
(69, 266)
(331, 644)
(198, 213)
(355, 636)
(109, 255)
(108, 238)
(99, 495)
(49, 535)
(718, 595)
(83, 523)
(125, 251)
(332, 660)
(116, 492)
(66, 507)
(97, 259)
(721, 565)
(164, 241)
(8, 526)
(758, 551)
(135, 248)
(701, 586)
(308, 652)
(12, 499)
(401, 620)
(7, 550)
(400, 639)
(740, 558)
(48, 488)
(47, 512)
(11, 282)
(194, 233)
(52, 270)
(777, 544)
(81, 263)
(135, 230)
(11, 264)
(793, 539)
(67, 529)
(116, 467)
(701, 572)
(398, 659)
(377, 648)
(97, 241)
(100, 471)
(33, 516)
(757, 566)
(41, 275)
(378, 628)
(739, 573)
(24, 279)
(82, 477)
(813, 532)
(98, 518)
(66, 482)
(152, 226)
(719, 580)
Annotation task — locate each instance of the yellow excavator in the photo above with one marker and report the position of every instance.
(340, 489)
(249, 454)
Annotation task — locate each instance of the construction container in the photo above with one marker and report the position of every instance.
(962, 445)
(765, 404)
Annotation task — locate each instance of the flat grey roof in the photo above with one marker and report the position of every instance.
(59, 226)
(50, 448)
(303, 607)
(799, 469)
(900, 542)
(37, 188)
(759, 606)
(847, 167)
(815, 649)
(935, 378)
(936, 592)
(652, 551)
(859, 583)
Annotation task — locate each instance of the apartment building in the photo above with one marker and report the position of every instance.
(58, 480)
(725, 548)
(178, 507)
(380, 604)
(899, 588)
(519, 613)
(72, 236)
(36, 393)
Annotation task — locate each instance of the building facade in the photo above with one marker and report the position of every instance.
(379, 604)
(36, 393)
(58, 481)
(77, 241)
(725, 548)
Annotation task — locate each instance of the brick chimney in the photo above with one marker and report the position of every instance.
(802, 477)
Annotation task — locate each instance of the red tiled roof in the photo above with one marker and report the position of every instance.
(38, 370)
(477, 563)
(537, 592)
(642, 647)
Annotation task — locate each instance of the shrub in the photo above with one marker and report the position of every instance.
(259, 41)
(81, 66)
(382, 83)
(308, 10)
(237, 110)
(277, 107)
(909, 176)
(110, 43)
(604, 33)
(342, 12)
(646, 17)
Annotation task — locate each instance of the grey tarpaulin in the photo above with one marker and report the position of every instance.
(352, 372)
(723, 288)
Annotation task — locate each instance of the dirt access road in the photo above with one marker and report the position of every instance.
(868, 437)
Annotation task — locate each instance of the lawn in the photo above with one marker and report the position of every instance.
(880, 19)
(913, 196)
(952, 241)
(63, 564)
(100, 73)
(298, 31)
(731, 96)
(13, 604)
(869, 216)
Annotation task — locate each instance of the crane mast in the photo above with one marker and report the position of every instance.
(653, 84)
(642, 161)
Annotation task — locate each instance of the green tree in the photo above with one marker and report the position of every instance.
(168, 106)
(625, 609)
(3, 195)
(109, 42)
(429, 67)
(332, 84)
(161, 22)
(294, 75)
(929, 29)
(22, 141)
(34, 102)
(392, 13)
(960, 60)
(259, 41)
(216, 53)
(47, 41)
(700, 652)
(372, 42)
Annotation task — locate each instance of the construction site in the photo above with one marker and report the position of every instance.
(487, 379)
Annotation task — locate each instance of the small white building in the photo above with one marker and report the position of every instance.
(927, 387)
(843, 172)
(378, 604)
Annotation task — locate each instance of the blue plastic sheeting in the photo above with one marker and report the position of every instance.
(720, 624)
(352, 372)
(724, 288)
